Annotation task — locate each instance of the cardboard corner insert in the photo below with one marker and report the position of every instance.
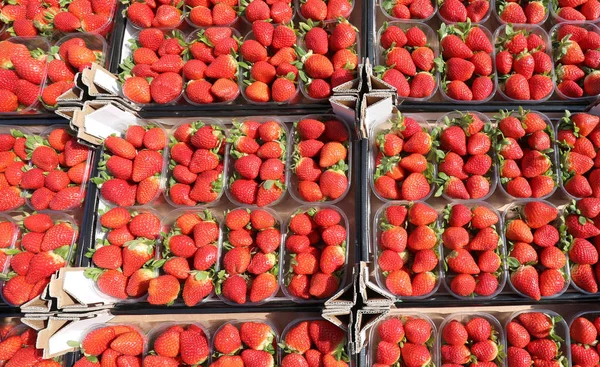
(75, 293)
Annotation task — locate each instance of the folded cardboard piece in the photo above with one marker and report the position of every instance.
(76, 293)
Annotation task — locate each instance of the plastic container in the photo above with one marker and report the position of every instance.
(553, 159)
(32, 43)
(590, 315)
(299, 3)
(560, 328)
(412, 20)
(168, 222)
(57, 217)
(19, 329)
(282, 353)
(6, 129)
(165, 154)
(293, 188)
(496, 4)
(157, 330)
(181, 6)
(238, 325)
(94, 42)
(231, 161)
(249, 25)
(127, 52)
(590, 28)
(224, 159)
(44, 134)
(463, 318)
(374, 338)
(329, 26)
(432, 42)
(569, 239)
(492, 175)
(374, 149)
(191, 38)
(285, 261)
(4, 217)
(529, 29)
(494, 74)
(223, 252)
(101, 238)
(242, 86)
(482, 21)
(187, 10)
(556, 19)
(501, 251)
(379, 216)
(78, 354)
(511, 213)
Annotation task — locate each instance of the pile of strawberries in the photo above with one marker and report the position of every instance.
(45, 245)
(250, 256)
(29, 18)
(467, 63)
(93, 16)
(268, 58)
(533, 338)
(147, 13)
(314, 343)
(582, 236)
(58, 171)
(584, 335)
(412, 9)
(196, 163)
(328, 58)
(522, 12)
(258, 159)
(130, 173)
(273, 11)
(320, 158)
(190, 254)
(211, 69)
(409, 244)
(463, 150)
(318, 10)
(177, 344)
(401, 168)
(576, 10)
(577, 60)
(524, 65)
(537, 261)
(408, 339)
(13, 158)
(119, 345)
(315, 253)
(409, 60)
(475, 339)
(244, 344)
(203, 13)
(455, 11)
(19, 350)
(578, 142)
(153, 71)
(22, 74)
(72, 56)
(121, 258)
(524, 154)
(473, 250)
